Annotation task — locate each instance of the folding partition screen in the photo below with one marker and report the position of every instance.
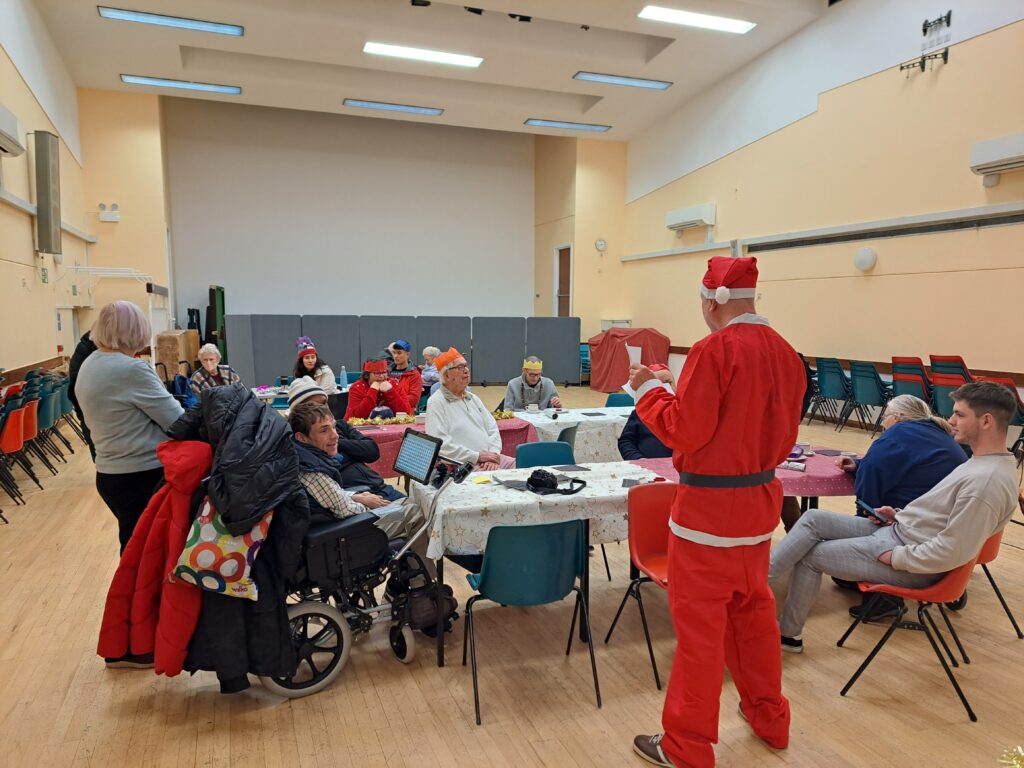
(240, 347)
(556, 341)
(499, 344)
(336, 338)
(443, 332)
(377, 331)
(273, 347)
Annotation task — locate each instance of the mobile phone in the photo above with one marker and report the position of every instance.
(871, 511)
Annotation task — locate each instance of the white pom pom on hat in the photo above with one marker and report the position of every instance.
(722, 294)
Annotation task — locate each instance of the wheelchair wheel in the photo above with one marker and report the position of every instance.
(403, 642)
(323, 640)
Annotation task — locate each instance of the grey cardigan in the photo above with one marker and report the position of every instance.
(127, 409)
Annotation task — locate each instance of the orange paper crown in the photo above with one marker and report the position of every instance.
(446, 358)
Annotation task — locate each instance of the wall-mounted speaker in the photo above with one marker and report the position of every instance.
(47, 157)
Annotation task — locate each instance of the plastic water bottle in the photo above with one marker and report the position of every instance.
(344, 378)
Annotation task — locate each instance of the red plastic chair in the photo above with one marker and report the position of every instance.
(12, 442)
(649, 508)
(989, 553)
(910, 384)
(948, 589)
(14, 389)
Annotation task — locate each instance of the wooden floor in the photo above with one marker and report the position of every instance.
(60, 706)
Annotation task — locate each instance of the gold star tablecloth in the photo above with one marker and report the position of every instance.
(467, 511)
(597, 438)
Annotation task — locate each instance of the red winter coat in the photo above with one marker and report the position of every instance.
(362, 399)
(145, 611)
(410, 381)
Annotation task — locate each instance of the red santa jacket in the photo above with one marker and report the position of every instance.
(145, 612)
(735, 412)
(362, 399)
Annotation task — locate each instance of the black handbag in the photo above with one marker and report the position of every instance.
(545, 483)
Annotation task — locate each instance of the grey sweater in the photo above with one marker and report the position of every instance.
(947, 526)
(127, 409)
(519, 394)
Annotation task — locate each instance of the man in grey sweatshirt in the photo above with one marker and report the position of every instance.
(531, 388)
(932, 535)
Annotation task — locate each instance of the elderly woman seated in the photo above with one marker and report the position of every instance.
(531, 388)
(466, 427)
(429, 370)
(212, 373)
(374, 394)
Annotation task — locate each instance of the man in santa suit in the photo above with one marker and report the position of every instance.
(733, 418)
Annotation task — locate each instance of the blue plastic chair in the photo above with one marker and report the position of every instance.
(280, 403)
(546, 455)
(528, 565)
(353, 376)
(834, 384)
(618, 399)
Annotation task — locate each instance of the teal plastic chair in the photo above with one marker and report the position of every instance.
(421, 407)
(943, 385)
(568, 435)
(353, 376)
(951, 365)
(528, 565)
(280, 403)
(549, 454)
(869, 391)
(618, 399)
(834, 384)
(543, 454)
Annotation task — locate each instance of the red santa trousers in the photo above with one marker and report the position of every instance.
(724, 614)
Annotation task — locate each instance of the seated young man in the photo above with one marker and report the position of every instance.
(316, 443)
(531, 388)
(940, 530)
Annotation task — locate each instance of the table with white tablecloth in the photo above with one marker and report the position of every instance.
(597, 436)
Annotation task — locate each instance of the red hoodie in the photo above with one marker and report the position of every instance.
(145, 611)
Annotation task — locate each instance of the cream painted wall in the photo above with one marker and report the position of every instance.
(28, 307)
(597, 277)
(554, 208)
(122, 146)
(882, 147)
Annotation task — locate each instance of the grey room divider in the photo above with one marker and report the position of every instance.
(336, 338)
(499, 344)
(556, 341)
(274, 352)
(377, 331)
(443, 332)
(240, 347)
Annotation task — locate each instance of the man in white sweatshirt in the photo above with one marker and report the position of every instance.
(934, 534)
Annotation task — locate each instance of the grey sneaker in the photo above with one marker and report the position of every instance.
(649, 748)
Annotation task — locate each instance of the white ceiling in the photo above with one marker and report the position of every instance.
(307, 54)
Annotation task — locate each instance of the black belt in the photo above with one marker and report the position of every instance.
(726, 481)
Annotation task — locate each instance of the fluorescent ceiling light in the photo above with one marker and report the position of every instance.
(690, 19)
(423, 54)
(567, 126)
(162, 82)
(635, 82)
(434, 111)
(171, 21)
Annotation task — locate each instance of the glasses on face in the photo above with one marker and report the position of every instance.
(461, 367)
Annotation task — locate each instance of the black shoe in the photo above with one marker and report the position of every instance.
(131, 661)
(844, 584)
(958, 605)
(885, 608)
(791, 645)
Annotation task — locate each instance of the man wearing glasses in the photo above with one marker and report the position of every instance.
(461, 420)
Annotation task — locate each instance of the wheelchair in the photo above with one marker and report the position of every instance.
(334, 600)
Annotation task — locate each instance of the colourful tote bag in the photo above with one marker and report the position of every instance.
(215, 560)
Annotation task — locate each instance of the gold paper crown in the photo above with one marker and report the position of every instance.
(533, 365)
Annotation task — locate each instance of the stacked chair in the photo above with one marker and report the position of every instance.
(869, 391)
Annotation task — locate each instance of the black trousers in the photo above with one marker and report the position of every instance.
(127, 496)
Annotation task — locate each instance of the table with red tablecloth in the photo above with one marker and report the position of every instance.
(822, 477)
(389, 438)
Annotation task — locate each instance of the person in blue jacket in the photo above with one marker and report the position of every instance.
(914, 452)
(636, 440)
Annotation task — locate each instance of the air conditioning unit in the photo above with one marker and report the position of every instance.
(10, 134)
(694, 216)
(990, 158)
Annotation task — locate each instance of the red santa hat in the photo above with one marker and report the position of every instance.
(729, 278)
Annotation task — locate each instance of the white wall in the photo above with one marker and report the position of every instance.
(852, 40)
(27, 41)
(302, 213)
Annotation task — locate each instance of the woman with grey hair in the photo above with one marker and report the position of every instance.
(429, 371)
(128, 410)
(211, 373)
